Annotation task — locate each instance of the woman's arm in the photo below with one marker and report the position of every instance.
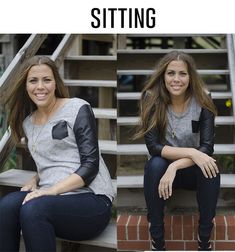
(87, 142)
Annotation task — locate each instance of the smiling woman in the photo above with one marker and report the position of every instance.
(178, 126)
(72, 189)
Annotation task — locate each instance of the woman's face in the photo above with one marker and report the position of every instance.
(40, 85)
(176, 78)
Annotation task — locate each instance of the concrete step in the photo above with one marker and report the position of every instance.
(136, 95)
(219, 120)
(227, 181)
(150, 72)
(90, 83)
(141, 149)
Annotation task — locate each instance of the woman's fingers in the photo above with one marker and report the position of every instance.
(165, 190)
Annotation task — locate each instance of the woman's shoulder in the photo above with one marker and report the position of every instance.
(77, 102)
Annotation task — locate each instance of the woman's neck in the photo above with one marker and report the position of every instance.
(179, 104)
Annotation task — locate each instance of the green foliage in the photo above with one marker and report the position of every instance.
(226, 163)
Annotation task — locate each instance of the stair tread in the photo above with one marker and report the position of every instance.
(134, 120)
(136, 181)
(105, 113)
(136, 95)
(91, 83)
(164, 51)
(141, 149)
(92, 57)
(150, 72)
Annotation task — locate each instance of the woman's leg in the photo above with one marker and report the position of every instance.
(207, 196)
(73, 217)
(9, 221)
(154, 170)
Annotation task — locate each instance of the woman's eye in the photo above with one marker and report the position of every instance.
(47, 80)
(170, 73)
(32, 81)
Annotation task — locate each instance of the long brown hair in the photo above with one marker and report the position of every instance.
(19, 103)
(155, 97)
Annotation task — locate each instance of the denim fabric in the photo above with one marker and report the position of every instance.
(41, 220)
(190, 178)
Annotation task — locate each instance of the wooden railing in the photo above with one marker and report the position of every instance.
(12, 73)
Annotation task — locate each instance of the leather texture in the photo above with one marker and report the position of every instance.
(87, 142)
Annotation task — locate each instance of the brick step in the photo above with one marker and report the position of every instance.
(180, 232)
(132, 120)
(136, 95)
(141, 149)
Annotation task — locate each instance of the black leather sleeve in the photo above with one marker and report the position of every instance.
(207, 133)
(87, 142)
(153, 143)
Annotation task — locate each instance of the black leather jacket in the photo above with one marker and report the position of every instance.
(206, 128)
(87, 142)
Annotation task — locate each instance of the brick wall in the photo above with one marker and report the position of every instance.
(180, 232)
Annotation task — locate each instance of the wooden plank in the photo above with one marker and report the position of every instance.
(12, 72)
(136, 95)
(105, 113)
(59, 53)
(165, 51)
(108, 147)
(134, 120)
(141, 149)
(136, 181)
(107, 239)
(91, 58)
(91, 83)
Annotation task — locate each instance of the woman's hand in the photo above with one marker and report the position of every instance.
(38, 193)
(31, 185)
(206, 163)
(165, 185)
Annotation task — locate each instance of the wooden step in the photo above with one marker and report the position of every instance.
(91, 58)
(108, 147)
(90, 83)
(219, 120)
(141, 149)
(136, 181)
(165, 51)
(147, 35)
(136, 95)
(105, 113)
(18, 178)
(150, 72)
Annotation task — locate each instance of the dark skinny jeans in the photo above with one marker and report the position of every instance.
(192, 178)
(41, 220)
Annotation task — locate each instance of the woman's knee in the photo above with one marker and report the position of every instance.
(11, 203)
(156, 166)
(33, 210)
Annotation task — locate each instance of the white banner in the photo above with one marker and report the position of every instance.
(121, 16)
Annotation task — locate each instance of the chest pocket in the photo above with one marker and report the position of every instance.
(60, 130)
(195, 126)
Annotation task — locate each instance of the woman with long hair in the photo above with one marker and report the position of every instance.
(177, 122)
(71, 195)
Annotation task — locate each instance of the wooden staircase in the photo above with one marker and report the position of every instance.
(137, 56)
(88, 66)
